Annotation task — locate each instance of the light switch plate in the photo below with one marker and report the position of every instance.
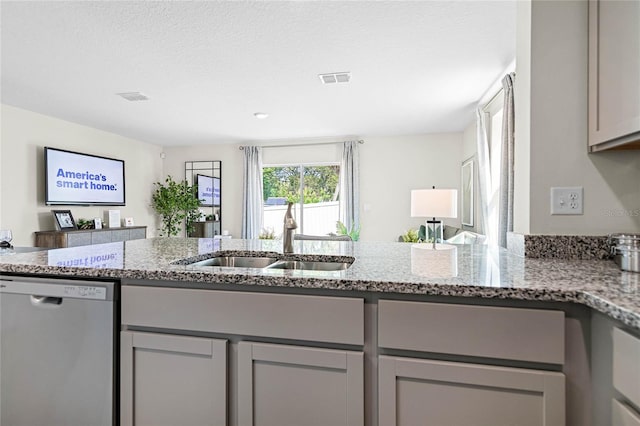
(567, 200)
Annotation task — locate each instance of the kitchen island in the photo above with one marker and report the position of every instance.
(378, 267)
(370, 339)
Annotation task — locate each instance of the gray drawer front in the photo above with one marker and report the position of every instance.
(626, 356)
(137, 233)
(101, 237)
(119, 235)
(483, 331)
(311, 318)
(78, 239)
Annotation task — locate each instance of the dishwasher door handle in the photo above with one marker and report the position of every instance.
(45, 301)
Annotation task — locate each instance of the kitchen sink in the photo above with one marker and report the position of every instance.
(309, 265)
(268, 261)
(237, 261)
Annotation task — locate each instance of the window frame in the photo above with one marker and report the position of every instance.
(301, 167)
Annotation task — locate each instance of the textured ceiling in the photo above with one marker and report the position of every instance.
(207, 66)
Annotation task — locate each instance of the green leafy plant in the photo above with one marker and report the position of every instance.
(353, 232)
(267, 234)
(176, 203)
(85, 224)
(411, 236)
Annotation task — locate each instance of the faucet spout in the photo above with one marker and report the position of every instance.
(289, 226)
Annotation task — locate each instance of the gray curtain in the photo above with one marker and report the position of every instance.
(350, 186)
(252, 195)
(505, 210)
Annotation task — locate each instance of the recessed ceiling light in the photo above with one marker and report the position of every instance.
(260, 115)
(335, 77)
(133, 96)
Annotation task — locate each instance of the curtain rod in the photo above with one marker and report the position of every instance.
(360, 141)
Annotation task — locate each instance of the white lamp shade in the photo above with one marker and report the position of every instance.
(434, 203)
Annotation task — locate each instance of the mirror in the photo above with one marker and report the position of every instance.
(207, 177)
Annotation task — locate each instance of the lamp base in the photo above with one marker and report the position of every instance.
(434, 229)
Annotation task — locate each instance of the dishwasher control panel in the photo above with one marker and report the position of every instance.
(56, 288)
(83, 292)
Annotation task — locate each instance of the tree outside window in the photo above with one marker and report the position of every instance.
(314, 190)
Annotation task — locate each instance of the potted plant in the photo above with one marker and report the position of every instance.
(176, 203)
(341, 229)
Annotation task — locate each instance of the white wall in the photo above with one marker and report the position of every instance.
(389, 168)
(522, 96)
(25, 133)
(557, 81)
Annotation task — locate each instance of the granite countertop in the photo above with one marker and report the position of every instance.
(469, 270)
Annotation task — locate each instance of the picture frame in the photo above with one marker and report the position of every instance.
(97, 223)
(128, 221)
(64, 220)
(468, 190)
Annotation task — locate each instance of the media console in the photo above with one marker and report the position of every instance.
(84, 237)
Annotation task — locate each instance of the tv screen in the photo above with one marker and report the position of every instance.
(208, 190)
(73, 178)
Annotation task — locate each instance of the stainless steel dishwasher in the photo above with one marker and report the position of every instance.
(57, 347)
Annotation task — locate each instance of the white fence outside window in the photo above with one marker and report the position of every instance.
(319, 218)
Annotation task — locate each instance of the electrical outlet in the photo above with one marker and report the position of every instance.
(567, 200)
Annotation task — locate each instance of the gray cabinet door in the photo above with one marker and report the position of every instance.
(137, 233)
(119, 235)
(100, 237)
(172, 380)
(614, 74)
(75, 239)
(623, 415)
(626, 354)
(416, 391)
(281, 385)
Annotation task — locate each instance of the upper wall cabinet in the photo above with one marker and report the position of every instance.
(614, 74)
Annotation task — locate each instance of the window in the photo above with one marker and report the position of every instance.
(494, 116)
(314, 190)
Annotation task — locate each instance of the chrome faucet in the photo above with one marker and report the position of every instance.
(287, 235)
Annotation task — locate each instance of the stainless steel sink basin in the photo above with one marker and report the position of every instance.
(237, 261)
(310, 265)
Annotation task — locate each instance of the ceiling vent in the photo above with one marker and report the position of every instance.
(133, 96)
(335, 77)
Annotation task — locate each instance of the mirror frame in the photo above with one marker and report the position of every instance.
(210, 223)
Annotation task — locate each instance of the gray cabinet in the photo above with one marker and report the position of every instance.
(280, 385)
(307, 381)
(623, 415)
(85, 237)
(172, 380)
(626, 379)
(297, 359)
(78, 239)
(417, 391)
(615, 353)
(614, 74)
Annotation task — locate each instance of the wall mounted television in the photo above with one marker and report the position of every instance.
(208, 190)
(74, 178)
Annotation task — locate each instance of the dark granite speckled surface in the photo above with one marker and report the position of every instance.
(470, 271)
(576, 247)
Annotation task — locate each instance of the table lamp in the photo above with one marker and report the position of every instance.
(435, 203)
